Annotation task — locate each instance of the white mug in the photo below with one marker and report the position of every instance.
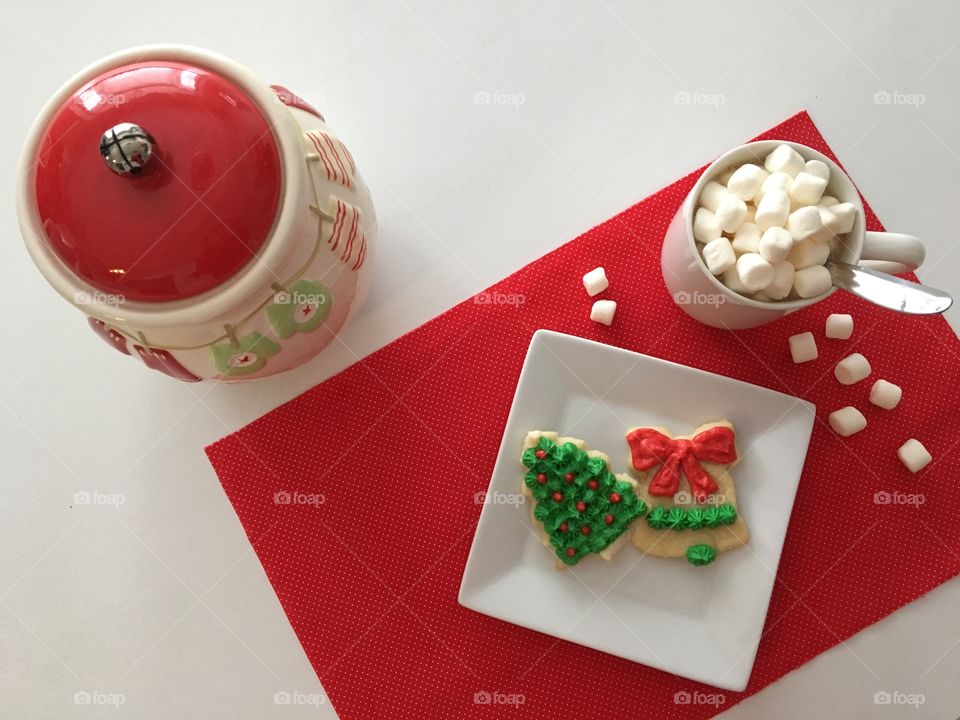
(702, 296)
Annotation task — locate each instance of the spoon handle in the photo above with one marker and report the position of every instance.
(888, 291)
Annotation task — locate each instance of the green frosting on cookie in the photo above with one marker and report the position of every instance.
(700, 555)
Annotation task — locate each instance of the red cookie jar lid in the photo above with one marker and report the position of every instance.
(156, 179)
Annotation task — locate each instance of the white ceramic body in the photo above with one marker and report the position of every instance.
(186, 330)
(702, 296)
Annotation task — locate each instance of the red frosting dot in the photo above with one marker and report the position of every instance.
(568, 477)
(608, 519)
(564, 527)
(592, 485)
(558, 496)
(614, 497)
(541, 454)
(541, 478)
(585, 529)
(581, 506)
(571, 552)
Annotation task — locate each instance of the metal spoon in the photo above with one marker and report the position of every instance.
(888, 291)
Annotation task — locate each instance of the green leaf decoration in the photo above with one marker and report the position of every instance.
(711, 517)
(696, 518)
(700, 555)
(657, 518)
(727, 514)
(248, 356)
(676, 518)
(301, 309)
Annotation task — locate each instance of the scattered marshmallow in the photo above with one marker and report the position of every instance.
(602, 311)
(746, 181)
(811, 281)
(705, 227)
(782, 282)
(775, 244)
(773, 210)
(914, 455)
(803, 348)
(839, 326)
(885, 394)
(853, 368)
(817, 168)
(804, 223)
(730, 213)
(784, 159)
(747, 238)
(719, 255)
(807, 189)
(595, 281)
(807, 253)
(847, 421)
(712, 195)
(755, 272)
(844, 214)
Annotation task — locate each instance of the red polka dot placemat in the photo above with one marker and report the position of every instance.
(358, 496)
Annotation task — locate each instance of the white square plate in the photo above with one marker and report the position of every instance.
(701, 623)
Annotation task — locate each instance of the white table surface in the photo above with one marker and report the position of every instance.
(158, 602)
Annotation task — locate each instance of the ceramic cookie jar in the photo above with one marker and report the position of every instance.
(208, 225)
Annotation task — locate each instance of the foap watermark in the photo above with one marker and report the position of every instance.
(682, 697)
(497, 498)
(98, 697)
(294, 697)
(293, 497)
(82, 297)
(685, 498)
(285, 297)
(682, 297)
(895, 97)
(498, 697)
(488, 297)
(896, 697)
(496, 97)
(697, 97)
(882, 497)
(94, 497)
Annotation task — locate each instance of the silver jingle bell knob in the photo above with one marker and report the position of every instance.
(126, 148)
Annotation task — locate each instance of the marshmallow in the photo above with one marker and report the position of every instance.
(827, 218)
(811, 281)
(724, 178)
(817, 168)
(775, 181)
(730, 213)
(747, 238)
(705, 227)
(719, 255)
(773, 209)
(746, 180)
(853, 368)
(847, 421)
(807, 189)
(914, 455)
(828, 200)
(803, 348)
(782, 282)
(807, 253)
(839, 327)
(755, 272)
(844, 216)
(731, 278)
(595, 281)
(602, 311)
(885, 394)
(775, 244)
(784, 159)
(804, 223)
(711, 195)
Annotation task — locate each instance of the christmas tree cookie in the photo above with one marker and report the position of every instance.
(696, 518)
(580, 505)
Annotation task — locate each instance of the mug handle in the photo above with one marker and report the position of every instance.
(892, 253)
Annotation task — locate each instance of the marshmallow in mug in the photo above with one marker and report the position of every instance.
(775, 217)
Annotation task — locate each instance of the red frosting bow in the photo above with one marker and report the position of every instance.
(649, 448)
